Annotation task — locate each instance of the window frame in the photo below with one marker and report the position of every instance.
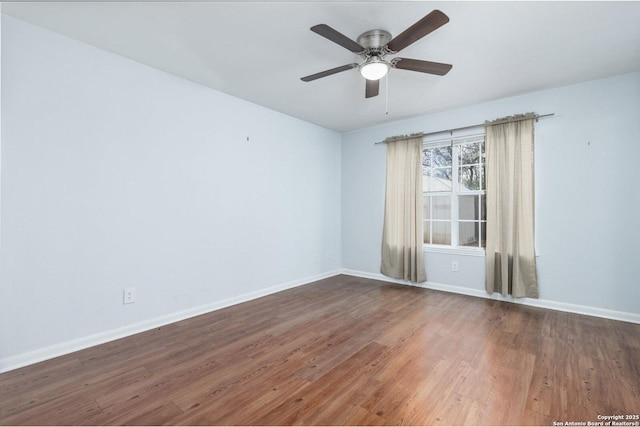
(455, 193)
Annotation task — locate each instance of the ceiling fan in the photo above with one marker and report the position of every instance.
(373, 46)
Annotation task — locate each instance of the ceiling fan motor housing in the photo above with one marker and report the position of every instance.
(374, 39)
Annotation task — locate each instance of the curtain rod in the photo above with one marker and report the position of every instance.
(538, 116)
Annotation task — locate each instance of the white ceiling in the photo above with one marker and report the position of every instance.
(258, 51)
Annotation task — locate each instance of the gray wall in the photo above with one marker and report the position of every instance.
(587, 199)
(117, 175)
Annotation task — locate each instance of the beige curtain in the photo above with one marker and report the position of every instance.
(510, 254)
(402, 240)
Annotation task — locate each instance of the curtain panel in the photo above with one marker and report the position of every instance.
(510, 253)
(402, 235)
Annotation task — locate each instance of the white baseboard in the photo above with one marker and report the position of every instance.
(39, 355)
(534, 302)
(29, 358)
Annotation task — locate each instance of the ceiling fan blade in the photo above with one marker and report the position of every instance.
(336, 37)
(426, 25)
(372, 89)
(328, 72)
(422, 66)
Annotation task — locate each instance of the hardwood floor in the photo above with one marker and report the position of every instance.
(343, 351)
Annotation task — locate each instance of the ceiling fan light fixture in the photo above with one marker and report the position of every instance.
(374, 69)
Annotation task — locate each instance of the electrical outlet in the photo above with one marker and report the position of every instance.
(129, 296)
(455, 266)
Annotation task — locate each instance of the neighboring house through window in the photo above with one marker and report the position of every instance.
(454, 193)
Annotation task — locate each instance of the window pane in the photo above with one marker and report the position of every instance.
(469, 234)
(469, 154)
(444, 173)
(441, 207)
(427, 180)
(426, 232)
(440, 179)
(426, 207)
(441, 233)
(469, 178)
(441, 156)
(468, 208)
(437, 171)
(426, 157)
(483, 234)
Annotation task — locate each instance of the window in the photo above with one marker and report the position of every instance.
(454, 193)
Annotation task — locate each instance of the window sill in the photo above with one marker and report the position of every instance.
(456, 251)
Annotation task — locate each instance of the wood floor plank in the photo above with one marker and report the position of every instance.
(70, 409)
(343, 351)
(303, 406)
(412, 399)
(361, 417)
(90, 386)
(222, 400)
(505, 399)
(345, 384)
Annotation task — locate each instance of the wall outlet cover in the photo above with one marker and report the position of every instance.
(129, 296)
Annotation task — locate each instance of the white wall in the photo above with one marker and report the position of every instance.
(587, 204)
(117, 175)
